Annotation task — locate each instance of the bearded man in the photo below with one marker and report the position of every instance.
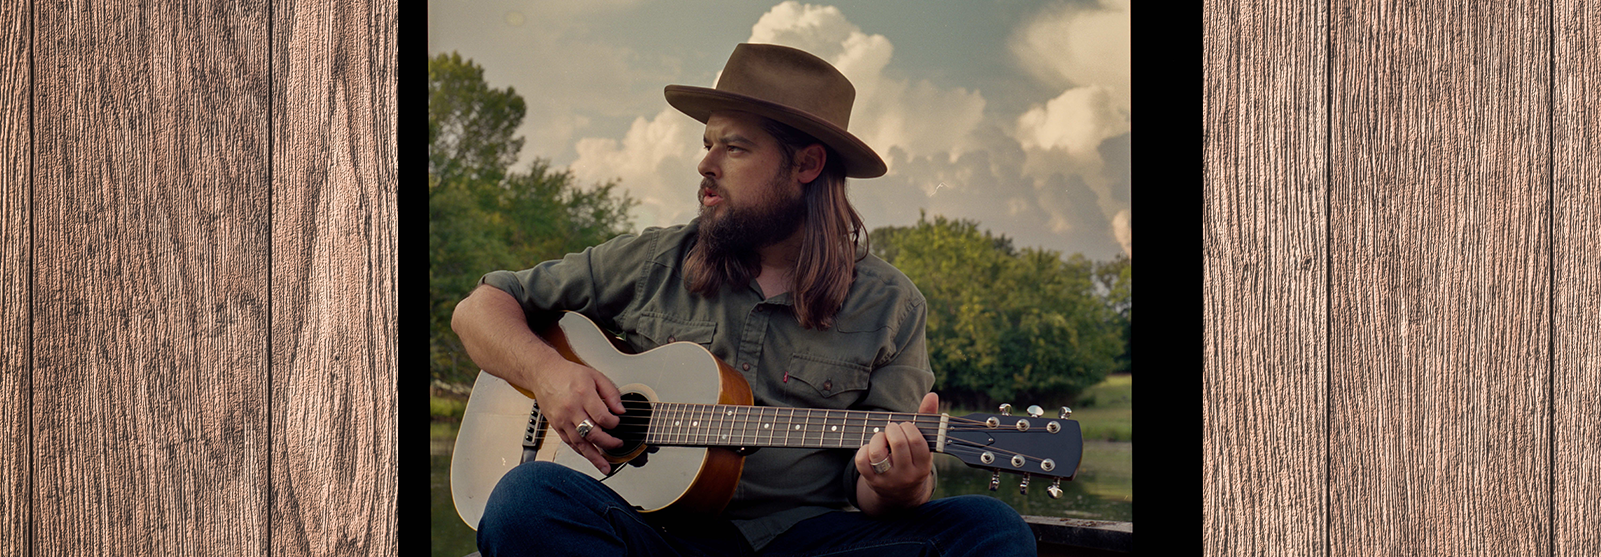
(775, 279)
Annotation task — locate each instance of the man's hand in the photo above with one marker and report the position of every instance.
(494, 330)
(909, 481)
(570, 393)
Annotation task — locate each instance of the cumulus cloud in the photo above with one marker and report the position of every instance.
(1041, 177)
(566, 73)
(1071, 45)
(655, 161)
(919, 117)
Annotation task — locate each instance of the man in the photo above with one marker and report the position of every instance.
(773, 278)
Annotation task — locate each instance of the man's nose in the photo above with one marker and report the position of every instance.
(707, 166)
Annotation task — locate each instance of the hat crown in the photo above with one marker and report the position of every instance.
(789, 77)
(789, 86)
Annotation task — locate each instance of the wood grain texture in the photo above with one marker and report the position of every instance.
(1440, 314)
(334, 357)
(16, 258)
(1576, 233)
(150, 317)
(1265, 268)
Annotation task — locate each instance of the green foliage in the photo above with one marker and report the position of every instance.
(470, 125)
(1004, 323)
(484, 216)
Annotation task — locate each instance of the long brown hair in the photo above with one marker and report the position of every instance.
(831, 243)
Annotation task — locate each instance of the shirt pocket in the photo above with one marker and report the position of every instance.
(823, 382)
(659, 328)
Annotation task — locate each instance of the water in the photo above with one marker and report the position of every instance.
(1103, 489)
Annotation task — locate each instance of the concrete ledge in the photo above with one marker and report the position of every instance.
(1070, 536)
(1074, 537)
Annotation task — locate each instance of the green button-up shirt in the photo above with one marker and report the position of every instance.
(873, 358)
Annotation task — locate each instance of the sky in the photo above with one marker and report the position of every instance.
(1012, 114)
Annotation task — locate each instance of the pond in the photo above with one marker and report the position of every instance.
(1103, 489)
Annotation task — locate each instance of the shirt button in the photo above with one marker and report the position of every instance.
(828, 385)
(747, 366)
(670, 340)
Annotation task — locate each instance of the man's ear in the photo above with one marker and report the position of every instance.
(809, 162)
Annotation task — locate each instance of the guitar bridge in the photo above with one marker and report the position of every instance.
(534, 436)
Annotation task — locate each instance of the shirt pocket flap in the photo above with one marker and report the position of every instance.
(827, 376)
(665, 329)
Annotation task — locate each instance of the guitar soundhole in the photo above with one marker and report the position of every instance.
(634, 424)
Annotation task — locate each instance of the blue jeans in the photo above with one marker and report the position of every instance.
(542, 508)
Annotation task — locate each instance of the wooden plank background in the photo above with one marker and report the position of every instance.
(1402, 281)
(197, 278)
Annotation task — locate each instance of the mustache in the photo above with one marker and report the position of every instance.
(707, 183)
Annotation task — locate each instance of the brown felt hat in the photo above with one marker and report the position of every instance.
(789, 86)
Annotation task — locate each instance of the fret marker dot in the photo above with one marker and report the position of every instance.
(678, 423)
(725, 436)
(875, 430)
(694, 424)
(730, 412)
(767, 426)
(797, 427)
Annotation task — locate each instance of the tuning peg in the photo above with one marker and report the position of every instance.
(1035, 411)
(1066, 412)
(1006, 409)
(1023, 487)
(1056, 489)
(995, 480)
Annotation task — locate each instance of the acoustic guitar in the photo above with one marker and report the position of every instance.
(689, 421)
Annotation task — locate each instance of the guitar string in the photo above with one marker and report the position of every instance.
(754, 437)
(747, 418)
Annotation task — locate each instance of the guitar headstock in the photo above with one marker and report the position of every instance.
(1031, 445)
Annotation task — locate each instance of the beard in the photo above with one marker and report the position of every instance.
(737, 230)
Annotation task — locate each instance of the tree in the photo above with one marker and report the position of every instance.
(1003, 322)
(484, 216)
(470, 125)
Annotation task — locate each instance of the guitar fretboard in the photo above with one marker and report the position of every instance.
(717, 425)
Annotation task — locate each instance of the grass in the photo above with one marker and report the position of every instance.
(442, 408)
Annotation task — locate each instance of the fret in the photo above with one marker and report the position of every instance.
(717, 425)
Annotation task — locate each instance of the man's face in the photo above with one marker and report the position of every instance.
(747, 198)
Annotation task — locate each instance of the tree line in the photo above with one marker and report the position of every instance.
(1004, 323)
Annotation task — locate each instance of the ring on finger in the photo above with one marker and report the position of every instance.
(881, 466)
(584, 427)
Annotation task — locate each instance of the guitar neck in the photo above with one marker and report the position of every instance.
(720, 425)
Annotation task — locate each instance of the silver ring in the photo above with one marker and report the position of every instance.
(584, 427)
(881, 466)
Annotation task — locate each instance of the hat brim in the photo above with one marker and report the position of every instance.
(699, 103)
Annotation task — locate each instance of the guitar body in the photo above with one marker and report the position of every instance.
(491, 440)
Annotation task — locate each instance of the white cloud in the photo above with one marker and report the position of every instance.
(1125, 237)
(920, 118)
(1077, 122)
(550, 54)
(1036, 177)
(1068, 46)
(656, 163)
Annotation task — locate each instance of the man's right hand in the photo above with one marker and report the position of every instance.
(494, 330)
(570, 393)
